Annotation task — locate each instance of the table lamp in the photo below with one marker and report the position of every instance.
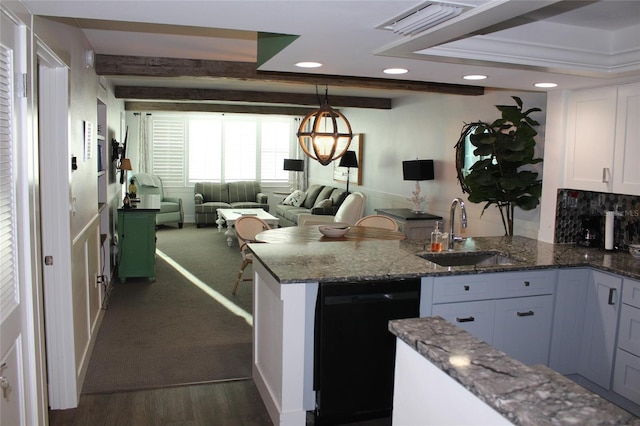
(349, 160)
(294, 165)
(417, 170)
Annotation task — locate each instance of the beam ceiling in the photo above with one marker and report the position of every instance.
(216, 95)
(115, 65)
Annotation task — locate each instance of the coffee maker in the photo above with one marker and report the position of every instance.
(590, 230)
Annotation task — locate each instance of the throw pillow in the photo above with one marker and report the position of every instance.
(324, 203)
(295, 198)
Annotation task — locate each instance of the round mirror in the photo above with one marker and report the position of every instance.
(464, 154)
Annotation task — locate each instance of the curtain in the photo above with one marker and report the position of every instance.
(302, 178)
(143, 144)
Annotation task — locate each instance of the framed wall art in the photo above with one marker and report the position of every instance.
(355, 175)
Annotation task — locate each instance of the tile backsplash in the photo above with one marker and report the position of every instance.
(572, 204)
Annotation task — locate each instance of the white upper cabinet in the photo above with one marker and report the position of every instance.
(591, 124)
(626, 171)
(603, 140)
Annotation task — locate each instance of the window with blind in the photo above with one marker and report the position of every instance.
(193, 148)
(168, 159)
(9, 295)
(273, 151)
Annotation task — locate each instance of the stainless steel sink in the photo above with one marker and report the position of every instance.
(468, 258)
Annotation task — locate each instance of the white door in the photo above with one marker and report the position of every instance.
(13, 227)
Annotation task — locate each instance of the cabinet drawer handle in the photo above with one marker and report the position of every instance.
(525, 314)
(467, 319)
(611, 296)
(527, 283)
(605, 175)
(466, 288)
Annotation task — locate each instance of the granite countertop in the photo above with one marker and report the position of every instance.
(374, 260)
(525, 395)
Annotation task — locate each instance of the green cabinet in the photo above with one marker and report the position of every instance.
(137, 237)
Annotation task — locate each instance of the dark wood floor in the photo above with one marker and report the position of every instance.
(227, 403)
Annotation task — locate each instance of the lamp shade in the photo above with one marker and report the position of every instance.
(349, 160)
(418, 170)
(293, 165)
(125, 164)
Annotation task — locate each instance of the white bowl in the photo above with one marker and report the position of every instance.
(634, 249)
(333, 231)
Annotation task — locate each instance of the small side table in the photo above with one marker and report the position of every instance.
(137, 236)
(416, 226)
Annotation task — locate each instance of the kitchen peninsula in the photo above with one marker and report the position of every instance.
(288, 276)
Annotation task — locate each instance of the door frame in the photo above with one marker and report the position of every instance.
(51, 98)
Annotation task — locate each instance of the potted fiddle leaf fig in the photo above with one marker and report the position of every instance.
(503, 176)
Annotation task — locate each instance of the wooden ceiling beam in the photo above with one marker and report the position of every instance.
(188, 94)
(117, 65)
(212, 107)
(371, 83)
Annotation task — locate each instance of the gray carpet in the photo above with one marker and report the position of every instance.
(169, 332)
(204, 252)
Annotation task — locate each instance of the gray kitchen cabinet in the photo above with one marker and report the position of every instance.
(600, 328)
(477, 317)
(626, 376)
(510, 310)
(523, 328)
(461, 288)
(568, 320)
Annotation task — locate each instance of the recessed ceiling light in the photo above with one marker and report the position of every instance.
(395, 71)
(546, 85)
(308, 64)
(474, 77)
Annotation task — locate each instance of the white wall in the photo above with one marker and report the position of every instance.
(424, 126)
(554, 164)
(427, 126)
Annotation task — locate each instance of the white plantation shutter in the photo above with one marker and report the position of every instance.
(274, 138)
(168, 136)
(240, 147)
(9, 296)
(200, 147)
(205, 146)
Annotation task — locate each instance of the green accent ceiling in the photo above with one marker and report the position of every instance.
(269, 44)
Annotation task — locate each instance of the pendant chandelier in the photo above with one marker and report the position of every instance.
(325, 134)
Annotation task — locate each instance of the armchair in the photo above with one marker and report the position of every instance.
(350, 211)
(171, 210)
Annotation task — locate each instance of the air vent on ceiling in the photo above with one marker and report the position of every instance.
(423, 17)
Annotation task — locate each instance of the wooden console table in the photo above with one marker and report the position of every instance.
(416, 226)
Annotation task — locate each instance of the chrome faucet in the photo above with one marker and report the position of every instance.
(463, 214)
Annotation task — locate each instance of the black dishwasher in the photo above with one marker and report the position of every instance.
(354, 351)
